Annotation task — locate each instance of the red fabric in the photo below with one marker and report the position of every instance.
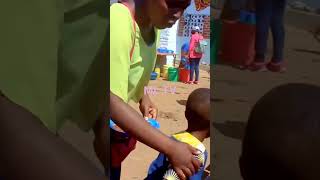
(238, 43)
(119, 151)
(195, 38)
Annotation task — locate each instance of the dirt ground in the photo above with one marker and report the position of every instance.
(171, 118)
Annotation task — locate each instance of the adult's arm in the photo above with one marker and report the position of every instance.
(180, 155)
(30, 151)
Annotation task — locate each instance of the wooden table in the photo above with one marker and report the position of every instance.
(169, 54)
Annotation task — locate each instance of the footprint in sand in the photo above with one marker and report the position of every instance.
(241, 100)
(232, 82)
(166, 115)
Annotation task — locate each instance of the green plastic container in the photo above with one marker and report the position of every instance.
(216, 26)
(173, 74)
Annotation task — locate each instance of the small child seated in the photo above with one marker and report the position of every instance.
(197, 115)
(282, 138)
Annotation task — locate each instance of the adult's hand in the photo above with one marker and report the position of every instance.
(182, 158)
(147, 108)
(180, 155)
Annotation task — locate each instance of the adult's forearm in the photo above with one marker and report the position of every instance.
(30, 151)
(132, 122)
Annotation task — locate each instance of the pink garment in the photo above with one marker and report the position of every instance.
(195, 38)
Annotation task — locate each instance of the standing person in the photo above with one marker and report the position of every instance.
(270, 13)
(194, 56)
(134, 38)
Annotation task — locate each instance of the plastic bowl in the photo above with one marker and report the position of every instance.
(154, 123)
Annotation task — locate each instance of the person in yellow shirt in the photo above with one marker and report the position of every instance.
(134, 35)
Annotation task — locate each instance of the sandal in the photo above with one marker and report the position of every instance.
(257, 66)
(277, 67)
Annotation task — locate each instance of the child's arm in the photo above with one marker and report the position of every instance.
(180, 155)
(29, 151)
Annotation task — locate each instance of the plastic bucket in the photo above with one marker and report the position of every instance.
(173, 74)
(184, 75)
(165, 71)
(154, 76)
(215, 40)
(157, 70)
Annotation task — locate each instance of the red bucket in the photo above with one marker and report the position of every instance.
(184, 75)
(238, 41)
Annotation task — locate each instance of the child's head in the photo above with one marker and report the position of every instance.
(198, 111)
(282, 139)
(163, 13)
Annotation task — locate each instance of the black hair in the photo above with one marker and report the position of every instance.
(198, 108)
(282, 139)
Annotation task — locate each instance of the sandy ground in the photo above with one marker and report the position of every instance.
(171, 118)
(236, 91)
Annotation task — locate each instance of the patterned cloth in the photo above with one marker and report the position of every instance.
(161, 166)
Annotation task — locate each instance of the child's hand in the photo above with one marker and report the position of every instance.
(147, 108)
(182, 158)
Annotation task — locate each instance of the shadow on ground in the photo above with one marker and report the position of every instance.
(182, 102)
(308, 51)
(233, 129)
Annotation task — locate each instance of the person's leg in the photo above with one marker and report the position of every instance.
(196, 67)
(277, 28)
(192, 66)
(48, 154)
(263, 14)
(278, 34)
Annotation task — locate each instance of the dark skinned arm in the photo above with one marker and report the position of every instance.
(180, 155)
(30, 152)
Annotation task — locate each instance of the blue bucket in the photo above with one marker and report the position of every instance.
(154, 76)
